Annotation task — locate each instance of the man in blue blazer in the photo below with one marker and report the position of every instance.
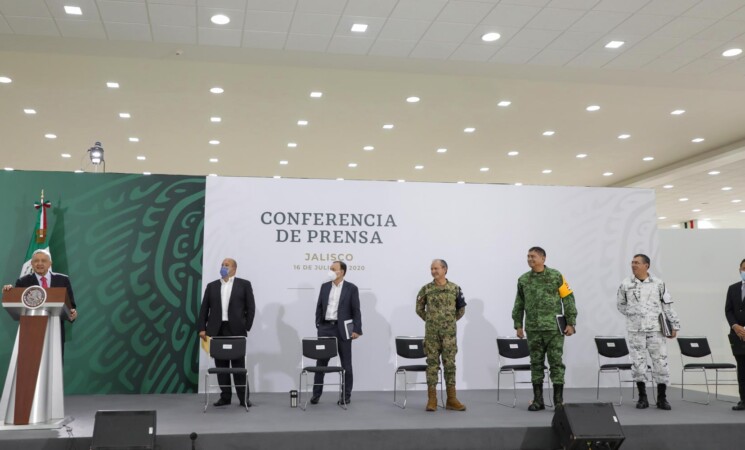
(338, 302)
(228, 309)
(734, 310)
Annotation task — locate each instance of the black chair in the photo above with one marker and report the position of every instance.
(407, 348)
(319, 348)
(612, 350)
(514, 348)
(697, 348)
(226, 348)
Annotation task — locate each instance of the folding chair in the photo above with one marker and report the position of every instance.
(407, 348)
(226, 348)
(615, 348)
(514, 348)
(319, 348)
(698, 347)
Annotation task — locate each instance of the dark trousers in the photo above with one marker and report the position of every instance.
(741, 375)
(224, 378)
(345, 355)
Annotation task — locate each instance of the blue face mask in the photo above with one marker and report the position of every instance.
(223, 272)
(742, 275)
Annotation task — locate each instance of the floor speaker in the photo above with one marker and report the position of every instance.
(120, 430)
(588, 426)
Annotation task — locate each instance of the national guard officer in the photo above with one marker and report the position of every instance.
(542, 294)
(440, 304)
(641, 298)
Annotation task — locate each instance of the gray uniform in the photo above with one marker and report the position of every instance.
(641, 302)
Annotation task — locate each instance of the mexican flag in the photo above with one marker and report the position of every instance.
(39, 235)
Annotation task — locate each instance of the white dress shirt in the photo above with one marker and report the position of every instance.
(333, 307)
(225, 290)
(48, 276)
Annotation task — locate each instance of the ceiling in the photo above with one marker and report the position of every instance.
(550, 63)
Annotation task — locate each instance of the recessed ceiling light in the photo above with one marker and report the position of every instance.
(66, 155)
(212, 175)
(461, 182)
(146, 173)
(675, 226)
(124, 115)
(714, 172)
(284, 163)
(624, 136)
(276, 177)
(412, 99)
(607, 174)
(549, 133)
(359, 27)
(727, 188)
(513, 153)
(5, 80)
(581, 155)
(442, 150)
(668, 186)
(504, 103)
(648, 158)
(368, 148)
(141, 158)
(220, 19)
(388, 126)
(112, 85)
(214, 142)
(316, 94)
(9, 169)
(518, 184)
(731, 52)
(742, 210)
(490, 37)
(469, 129)
(352, 165)
(50, 136)
(546, 171)
(340, 179)
(134, 139)
(484, 169)
(292, 144)
(697, 140)
(592, 108)
(302, 123)
(215, 119)
(683, 199)
(678, 112)
(78, 171)
(737, 200)
(614, 44)
(73, 10)
(214, 160)
(419, 167)
(29, 111)
(662, 218)
(217, 90)
(696, 210)
(401, 181)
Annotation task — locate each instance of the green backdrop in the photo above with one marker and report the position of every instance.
(132, 246)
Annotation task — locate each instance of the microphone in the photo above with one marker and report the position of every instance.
(193, 436)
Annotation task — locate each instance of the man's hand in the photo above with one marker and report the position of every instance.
(203, 335)
(520, 333)
(675, 333)
(73, 315)
(569, 330)
(739, 330)
(7, 287)
(355, 335)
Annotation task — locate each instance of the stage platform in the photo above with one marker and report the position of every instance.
(374, 422)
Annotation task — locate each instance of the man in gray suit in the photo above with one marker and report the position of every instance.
(338, 301)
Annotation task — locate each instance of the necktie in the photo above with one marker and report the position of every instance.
(44, 283)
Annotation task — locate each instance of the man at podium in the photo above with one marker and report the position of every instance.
(41, 262)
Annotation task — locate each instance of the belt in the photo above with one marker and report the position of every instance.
(332, 322)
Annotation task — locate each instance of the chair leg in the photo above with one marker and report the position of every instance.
(302, 387)
(550, 391)
(395, 389)
(682, 388)
(206, 392)
(597, 394)
(342, 396)
(620, 389)
(442, 392)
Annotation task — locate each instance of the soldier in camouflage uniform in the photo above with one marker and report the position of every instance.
(641, 298)
(440, 304)
(540, 295)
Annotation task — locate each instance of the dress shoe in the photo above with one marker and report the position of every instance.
(314, 400)
(347, 401)
(740, 406)
(222, 402)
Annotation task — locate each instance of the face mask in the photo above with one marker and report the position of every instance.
(223, 272)
(742, 275)
(331, 275)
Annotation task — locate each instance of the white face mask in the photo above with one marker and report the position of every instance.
(331, 275)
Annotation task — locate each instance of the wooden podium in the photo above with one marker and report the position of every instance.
(33, 396)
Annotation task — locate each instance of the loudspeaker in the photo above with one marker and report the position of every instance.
(588, 426)
(122, 430)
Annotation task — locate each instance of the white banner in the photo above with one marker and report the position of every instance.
(285, 233)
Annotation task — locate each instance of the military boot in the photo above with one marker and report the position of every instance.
(642, 403)
(558, 395)
(431, 398)
(537, 403)
(662, 397)
(452, 401)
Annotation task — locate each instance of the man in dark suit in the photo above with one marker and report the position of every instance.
(734, 310)
(338, 302)
(41, 262)
(228, 309)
